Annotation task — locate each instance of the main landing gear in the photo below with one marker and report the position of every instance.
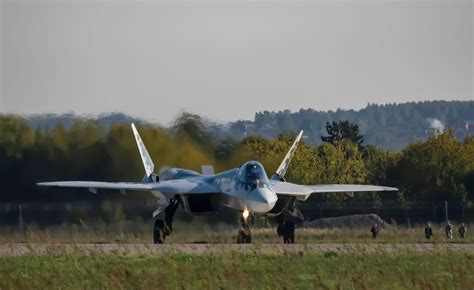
(286, 229)
(161, 228)
(244, 235)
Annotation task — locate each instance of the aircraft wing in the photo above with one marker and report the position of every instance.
(288, 188)
(104, 185)
(326, 188)
(169, 187)
(302, 192)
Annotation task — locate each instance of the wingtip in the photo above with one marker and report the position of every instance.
(44, 183)
(134, 129)
(300, 135)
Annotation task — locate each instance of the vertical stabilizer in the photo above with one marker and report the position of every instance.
(281, 171)
(147, 162)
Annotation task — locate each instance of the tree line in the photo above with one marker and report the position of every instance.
(390, 126)
(439, 168)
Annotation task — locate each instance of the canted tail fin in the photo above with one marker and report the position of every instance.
(281, 171)
(146, 159)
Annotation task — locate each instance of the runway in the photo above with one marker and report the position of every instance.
(197, 249)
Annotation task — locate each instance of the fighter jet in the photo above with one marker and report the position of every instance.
(246, 189)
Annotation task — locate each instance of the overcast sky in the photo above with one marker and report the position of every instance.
(228, 59)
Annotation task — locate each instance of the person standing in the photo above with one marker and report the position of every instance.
(462, 231)
(449, 230)
(375, 231)
(428, 231)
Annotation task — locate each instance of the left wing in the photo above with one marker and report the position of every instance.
(349, 188)
(302, 192)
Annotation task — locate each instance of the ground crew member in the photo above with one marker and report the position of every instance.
(462, 231)
(428, 231)
(375, 231)
(449, 230)
(289, 232)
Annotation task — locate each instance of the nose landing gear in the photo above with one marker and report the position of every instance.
(244, 235)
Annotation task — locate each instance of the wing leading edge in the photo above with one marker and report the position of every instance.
(102, 185)
(302, 192)
(169, 187)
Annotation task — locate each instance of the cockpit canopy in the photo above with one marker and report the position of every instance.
(252, 172)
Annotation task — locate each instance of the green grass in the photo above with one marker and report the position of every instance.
(239, 271)
(221, 233)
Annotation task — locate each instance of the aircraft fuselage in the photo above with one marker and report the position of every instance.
(243, 188)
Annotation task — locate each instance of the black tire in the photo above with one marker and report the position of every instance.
(288, 232)
(157, 232)
(240, 237)
(157, 236)
(244, 237)
(248, 238)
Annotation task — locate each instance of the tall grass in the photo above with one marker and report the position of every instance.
(305, 270)
(200, 232)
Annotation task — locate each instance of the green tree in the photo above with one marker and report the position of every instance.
(377, 162)
(343, 130)
(434, 170)
(192, 127)
(342, 162)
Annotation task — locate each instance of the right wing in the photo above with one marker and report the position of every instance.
(104, 185)
(169, 187)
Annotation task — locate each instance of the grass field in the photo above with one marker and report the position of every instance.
(305, 270)
(221, 233)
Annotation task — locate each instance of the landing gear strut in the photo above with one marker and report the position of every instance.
(244, 235)
(161, 228)
(286, 229)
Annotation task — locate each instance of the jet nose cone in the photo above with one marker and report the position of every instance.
(261, 200)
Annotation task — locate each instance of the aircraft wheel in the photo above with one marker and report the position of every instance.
(157, 228)
(244, 237)
(288, 232)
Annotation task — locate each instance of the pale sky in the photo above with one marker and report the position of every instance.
(226, 60)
